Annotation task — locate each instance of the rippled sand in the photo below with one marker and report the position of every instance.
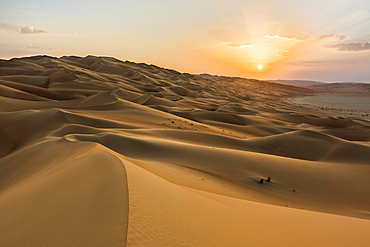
(99, 152)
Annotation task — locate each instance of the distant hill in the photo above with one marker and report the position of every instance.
(352, 82)
(299, 83)
(347, 88)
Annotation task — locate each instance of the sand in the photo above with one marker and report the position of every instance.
(95, 151)
(350, 106)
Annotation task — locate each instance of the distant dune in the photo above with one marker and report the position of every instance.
(95, 151)
(337, 86)
(299, 83)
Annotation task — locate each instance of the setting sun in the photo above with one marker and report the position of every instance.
(260, 67)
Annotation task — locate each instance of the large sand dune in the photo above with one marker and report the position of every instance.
(99, 152)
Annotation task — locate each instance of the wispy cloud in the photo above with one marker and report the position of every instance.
(284, 53)
(350, 46)
(333, 36)
(32, 30)
(297, 37)
(39, 48)
(242, 45)
(292, 37)
(237, 45)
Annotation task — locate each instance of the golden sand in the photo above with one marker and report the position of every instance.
(99, 152)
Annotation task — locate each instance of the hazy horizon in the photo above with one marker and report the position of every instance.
(267, 40)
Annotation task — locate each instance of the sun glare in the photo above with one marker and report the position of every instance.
(260, 67)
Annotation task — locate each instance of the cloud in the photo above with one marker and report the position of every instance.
(242, 45)
(39, 48)
(295, 37)
(284, 53)
(350, 46)
(292, 37)
(31, 47)
(2, 30)
(333, 36)
(32, 30)
(237, 45)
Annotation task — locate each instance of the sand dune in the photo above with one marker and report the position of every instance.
(100, 152)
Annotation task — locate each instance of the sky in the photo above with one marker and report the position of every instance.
(318, 40)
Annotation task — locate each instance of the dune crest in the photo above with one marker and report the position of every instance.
(100, 152)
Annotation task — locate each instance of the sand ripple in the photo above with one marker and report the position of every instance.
(99, 152)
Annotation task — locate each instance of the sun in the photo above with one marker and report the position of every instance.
(260, 66)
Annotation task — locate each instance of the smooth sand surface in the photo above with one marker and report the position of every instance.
(345, 105)
(99, 152)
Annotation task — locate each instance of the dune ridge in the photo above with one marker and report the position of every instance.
(96, 151)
